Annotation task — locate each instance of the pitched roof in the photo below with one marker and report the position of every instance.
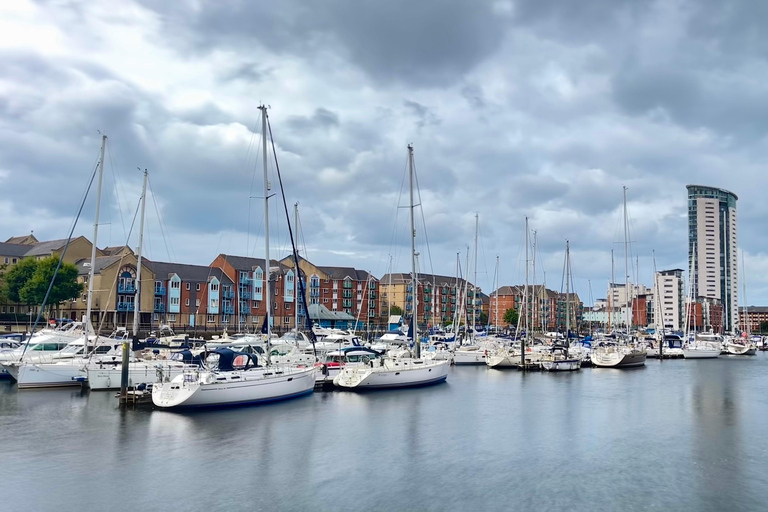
(193, 273)
(45, 248)
(246, 263)
(112, 251)
(438, 280)
(344, 272)
(11, 249)
(23, 240)
(102, 262)
(320, 312)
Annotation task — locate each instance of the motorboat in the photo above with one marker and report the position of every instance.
(105, 372)
(346, 357)
(231, 378)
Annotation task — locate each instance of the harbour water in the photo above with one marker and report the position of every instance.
(674, 435)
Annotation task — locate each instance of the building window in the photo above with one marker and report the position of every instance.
(287, 305)
(214, 287)
(187, 285)
(256, 304)
(14, 260)
(7, 260)
(325, 300)
(197, 303)
(286, 319)
(186, 302)
(175, 284)
(197, 287)
(211, 319)
(214, 303)
(156, 317)
(171, 318)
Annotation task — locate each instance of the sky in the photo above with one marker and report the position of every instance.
(531, 108)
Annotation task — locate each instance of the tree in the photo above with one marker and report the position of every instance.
(483, 318)
(764, 326)
(511, 316)
(65, 286)
(396, 310)
(16, 277)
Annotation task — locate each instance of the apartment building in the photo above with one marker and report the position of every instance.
(669, 295)
(712, 249)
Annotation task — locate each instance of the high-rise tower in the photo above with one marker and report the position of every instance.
(712, 256)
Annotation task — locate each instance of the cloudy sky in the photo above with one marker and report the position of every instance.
(538, 108)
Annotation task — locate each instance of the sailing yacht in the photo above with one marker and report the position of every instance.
(560, 359)
(624, 353)
(231, 378)
(409, 371)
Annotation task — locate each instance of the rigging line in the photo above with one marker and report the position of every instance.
(119, 265)
(250, 193)
(423, 220)
(398, 198)
(61, 260)
(163, 231)
(117, 189)
(298, 277)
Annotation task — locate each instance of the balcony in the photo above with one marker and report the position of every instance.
(228, 310)
(244, 279)
(126, 288)
(408, 307)
(244, 308)
(159, 290)
(409, 298)
(347, 294)
(372, 295)
(347, 284)
(227, 294)
(125, 306)
(314, 293)
(159, 308)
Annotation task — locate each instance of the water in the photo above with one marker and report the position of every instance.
(675, 435)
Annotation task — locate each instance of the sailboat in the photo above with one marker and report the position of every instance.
(620, 355)
(703, 345)
(411, 370)
(62, 368)
(230, 378)
(560, 359)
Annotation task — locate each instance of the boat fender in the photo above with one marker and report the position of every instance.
(109, 382)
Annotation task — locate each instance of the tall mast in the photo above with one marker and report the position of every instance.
(414, 277)
(567, 297)
(744, 290)
(496, 312)
(656, 312)
(389, 291)
(137, 297)
(88, 327)
(524, 339)
(267, 262)
(610, 295)
(298, 273)
(626, 266)
(474, 284)
(535, 306)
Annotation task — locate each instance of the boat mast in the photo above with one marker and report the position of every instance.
(496, 312)
(89, 304)
(567, 297)
(298, 273)
(414, 278)
(744, 290)
(267, 263)
(389, 292)
(137, 297)
(535, 305)
(610, 294)
(474, 284)
(525, 292)
(656, 313)
(626, 267)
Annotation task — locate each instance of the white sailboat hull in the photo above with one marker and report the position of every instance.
(737, 349)
(110, 377)
(394, 373)
(469, 357)
(701, 353)
(211, 389)
(565, 365)
(47, 375)
(618, 358)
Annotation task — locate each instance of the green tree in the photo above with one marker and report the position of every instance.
(511, 316)
(65, 286)
(16, 277)
(483, 318)
(396, 310)
(764, 326)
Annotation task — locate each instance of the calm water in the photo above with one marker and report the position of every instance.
(675, 435)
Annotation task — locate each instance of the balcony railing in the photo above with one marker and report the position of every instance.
(347, 284)
(245, 279)
(372, 295)
(228, 294)
(125, 306)
(159, 308)
(228, 310)
(126, 288)
(244, 307)
(159, 290)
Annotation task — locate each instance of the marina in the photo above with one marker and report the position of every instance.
(674, 434)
